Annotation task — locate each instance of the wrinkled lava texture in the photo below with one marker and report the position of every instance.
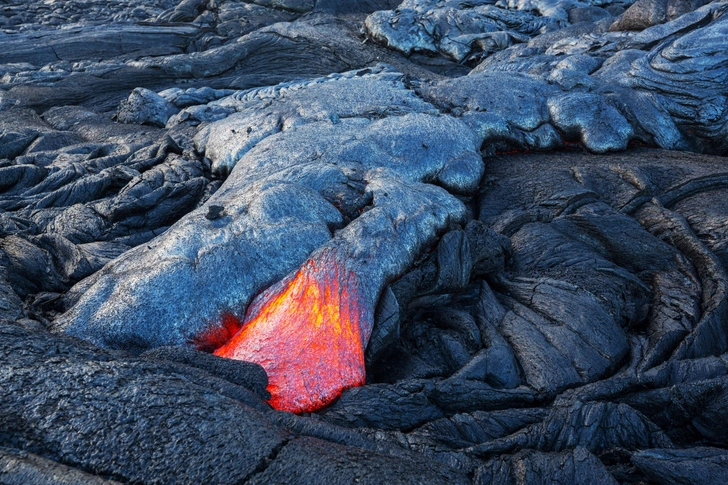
(364, 241)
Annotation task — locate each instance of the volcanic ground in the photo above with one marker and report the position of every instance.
(364, 241)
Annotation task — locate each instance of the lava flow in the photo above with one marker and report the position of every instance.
(308, 332)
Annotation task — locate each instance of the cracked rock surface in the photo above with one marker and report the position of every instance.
(522, 205)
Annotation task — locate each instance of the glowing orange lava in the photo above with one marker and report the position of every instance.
(308, 332)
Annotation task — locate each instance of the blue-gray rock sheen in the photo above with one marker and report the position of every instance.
(250, 116)
(455, 29)
(467, 31)
(689, 77)
(145, 107)
(664, 86)
(305, 170)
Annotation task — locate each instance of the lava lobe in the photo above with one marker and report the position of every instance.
(309, 332)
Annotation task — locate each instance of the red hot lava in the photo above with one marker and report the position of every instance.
(308, 332)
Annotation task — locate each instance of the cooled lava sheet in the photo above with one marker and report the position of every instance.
(317, 241)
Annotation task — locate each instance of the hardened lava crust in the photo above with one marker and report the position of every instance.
(364, 241)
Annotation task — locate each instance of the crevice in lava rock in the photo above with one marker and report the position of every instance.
(265, 462)
(352, 198)
(215, 338)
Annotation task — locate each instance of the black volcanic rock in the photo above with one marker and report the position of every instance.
(532, 195)
(245, 374)
(148, 424)
(402, 406)
(699, 465)
(307, 460)
(532, 468)
(594, 426)
(20, 467)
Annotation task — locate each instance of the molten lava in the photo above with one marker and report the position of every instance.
(308, 332)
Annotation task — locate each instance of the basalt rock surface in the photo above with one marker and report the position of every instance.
(465, 242)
